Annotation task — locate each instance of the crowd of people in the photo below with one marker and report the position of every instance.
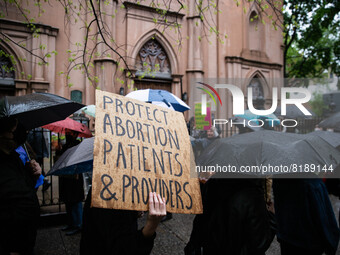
(238, 217)
(20, 210)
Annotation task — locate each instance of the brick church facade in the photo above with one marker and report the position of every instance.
(252, 50)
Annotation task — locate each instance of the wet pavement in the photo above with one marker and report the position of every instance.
(171, 239)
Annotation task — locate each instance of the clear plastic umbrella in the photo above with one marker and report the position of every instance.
(89, 110)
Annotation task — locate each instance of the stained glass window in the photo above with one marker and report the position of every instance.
(152, 60)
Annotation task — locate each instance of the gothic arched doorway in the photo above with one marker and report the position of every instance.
(7, 75)
(153, 67)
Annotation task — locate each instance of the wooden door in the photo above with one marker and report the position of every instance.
(153, 85)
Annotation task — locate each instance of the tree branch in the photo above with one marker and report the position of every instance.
(25, 49)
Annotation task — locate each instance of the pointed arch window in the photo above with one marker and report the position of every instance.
(258, 95)
(255, 32)
(257, 88)
(152, 61)
(7, 73)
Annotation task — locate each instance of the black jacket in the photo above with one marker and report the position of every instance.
(235, 219)
(19, 206)
(18, 199)
(305, 216)
(112, 232)
(71, 187)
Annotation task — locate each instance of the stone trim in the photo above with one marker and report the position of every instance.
(194, 71)
(21, 84)
(193, 17)
(131, 5)
(255, 63)
(147, 79)
(177, 75)
(22, 27)
(32, 84)
(105, 60)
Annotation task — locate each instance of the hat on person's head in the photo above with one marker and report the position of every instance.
(216, 134)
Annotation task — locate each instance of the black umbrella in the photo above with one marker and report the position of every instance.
(75, 160)
(286, 152)
(244, 128)
(38, 109)
(332, 138)
(292, 112)
(331, 122)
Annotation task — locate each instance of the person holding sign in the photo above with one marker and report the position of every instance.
(111, 232)
(139, 148)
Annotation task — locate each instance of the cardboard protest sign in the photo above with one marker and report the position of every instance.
(141, 148)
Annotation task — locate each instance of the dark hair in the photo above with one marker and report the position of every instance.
(6, 124)
(20, 134)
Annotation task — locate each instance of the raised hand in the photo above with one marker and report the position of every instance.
(157, 205)
(157, 210)
(34, 167)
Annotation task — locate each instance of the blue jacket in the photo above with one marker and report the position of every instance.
(24, 158)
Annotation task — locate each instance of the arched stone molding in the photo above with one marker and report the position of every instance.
(12, 49)
(154, 33)
(265, 86)
(254, 8)
(21, 84)
(254, 32)
(165, 44)
(256, 51)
